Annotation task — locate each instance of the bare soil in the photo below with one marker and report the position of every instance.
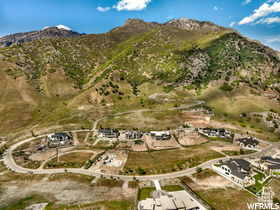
(121, 155)
(164, 144)
(188, 137)
(64, 192)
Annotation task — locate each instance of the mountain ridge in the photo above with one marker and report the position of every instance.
(49, 32)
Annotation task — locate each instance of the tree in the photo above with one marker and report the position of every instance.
(241, 151)
(199, 169)
(141, 171)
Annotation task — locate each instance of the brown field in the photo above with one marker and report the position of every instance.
(219, 192)
(166, 161)
(77, 156)
(275, 187)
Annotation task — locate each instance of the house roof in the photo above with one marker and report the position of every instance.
(248, 141)
(271, 160)
(243, 163)
(57, 135)
(108, 131)
(276, 166)
(238, 174)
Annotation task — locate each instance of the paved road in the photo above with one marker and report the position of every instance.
(10, 163)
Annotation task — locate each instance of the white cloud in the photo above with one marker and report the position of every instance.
(246, 2)
(262, 11)
(103, 9)
(63, 27)
(269, 20)
(273, 39)
(129, 5)
(170, 17)
(229, 16)
(215, 8)
(232, 24)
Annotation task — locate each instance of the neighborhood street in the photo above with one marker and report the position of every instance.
(10, 163)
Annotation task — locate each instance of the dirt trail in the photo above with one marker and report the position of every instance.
(75, 139)
(86, 138)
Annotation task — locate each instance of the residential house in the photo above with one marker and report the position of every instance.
(212, 132)
(171, 200)
(248, 142)
(274, 164)
(238, 170)
(108, 133)
(160, 135)
(58, 139)
(133, 134)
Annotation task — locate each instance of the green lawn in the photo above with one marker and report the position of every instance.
(145, 192)
(258, 186)
(172, 188)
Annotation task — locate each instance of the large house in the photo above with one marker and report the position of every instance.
(238, 170)
(133, 134)
(248, 142)
(160, 135)
(171, 200)
(274, 163)
(58, 139)
(108, 133)
(212, 132)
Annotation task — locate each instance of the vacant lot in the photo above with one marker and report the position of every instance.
(166, 161)
(219, 192)
(63, 194)
(72, 159)
(189, 137)
(77, 156)
(164, 144)
(275, 187)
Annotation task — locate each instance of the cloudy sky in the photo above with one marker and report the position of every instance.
(256, 19)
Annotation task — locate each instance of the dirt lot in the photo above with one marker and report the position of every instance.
(220, 146)
(219, 192)
(120, 155)
(196, 118)
(77, 156)
(64, 192)
(159, 145)
(188, 137)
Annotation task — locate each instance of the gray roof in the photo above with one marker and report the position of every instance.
(248, 141)
(271, 160)
(108, 131)
(238, 174)
(57, 135)
(235, 164)
(276, 166)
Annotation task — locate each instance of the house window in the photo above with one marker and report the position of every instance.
(227, 173)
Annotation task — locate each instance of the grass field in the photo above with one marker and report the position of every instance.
(233, 153)
(166, 161)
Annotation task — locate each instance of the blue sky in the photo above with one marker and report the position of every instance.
(256, 19)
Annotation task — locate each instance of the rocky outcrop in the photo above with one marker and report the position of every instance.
(49, 32)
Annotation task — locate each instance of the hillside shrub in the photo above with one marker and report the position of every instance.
(226, 88)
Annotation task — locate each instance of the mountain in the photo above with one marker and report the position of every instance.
(61, 81)
(48, 32)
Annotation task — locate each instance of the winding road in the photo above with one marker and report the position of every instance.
(10, 163)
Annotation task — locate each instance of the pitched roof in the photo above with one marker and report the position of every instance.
(271, 160)
(276, 166)
(248, 141)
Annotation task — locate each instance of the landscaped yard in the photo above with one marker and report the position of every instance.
(166, 161)
(145, 193)
(258, 186)
(172, 188)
